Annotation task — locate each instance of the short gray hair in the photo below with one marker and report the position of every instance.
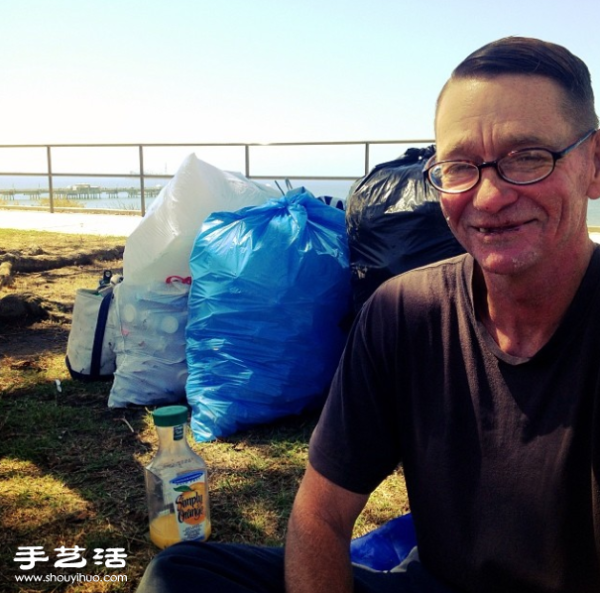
(533, 57)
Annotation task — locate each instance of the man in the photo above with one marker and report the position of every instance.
(480, 374)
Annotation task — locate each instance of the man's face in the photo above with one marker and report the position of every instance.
(509, 228)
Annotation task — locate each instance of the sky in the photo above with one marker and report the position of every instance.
(154, 71)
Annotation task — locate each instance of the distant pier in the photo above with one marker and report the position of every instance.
(81, 191)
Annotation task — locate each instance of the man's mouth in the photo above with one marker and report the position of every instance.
(499, 229)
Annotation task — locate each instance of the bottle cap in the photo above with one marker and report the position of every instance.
(170, 416)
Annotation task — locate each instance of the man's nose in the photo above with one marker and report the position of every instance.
(492, 193)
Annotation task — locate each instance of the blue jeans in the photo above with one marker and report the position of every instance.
(192, 567)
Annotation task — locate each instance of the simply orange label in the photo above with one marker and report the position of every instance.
(191, 498)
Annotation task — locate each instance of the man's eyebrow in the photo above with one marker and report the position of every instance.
(532, 141)
(468, 149)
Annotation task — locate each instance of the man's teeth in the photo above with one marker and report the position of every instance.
(491, 230)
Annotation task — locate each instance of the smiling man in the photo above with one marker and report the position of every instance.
(516, 198)
(480, 374)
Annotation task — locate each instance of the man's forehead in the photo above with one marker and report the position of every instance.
(469, 144)
(508, 111)
(500, 84)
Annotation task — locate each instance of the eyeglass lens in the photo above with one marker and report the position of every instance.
(527, 166)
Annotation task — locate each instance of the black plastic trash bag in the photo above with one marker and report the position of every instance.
(395, 223)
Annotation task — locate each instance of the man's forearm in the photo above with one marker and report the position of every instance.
(316, 563)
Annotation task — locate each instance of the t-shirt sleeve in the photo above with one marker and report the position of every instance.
(356, 442)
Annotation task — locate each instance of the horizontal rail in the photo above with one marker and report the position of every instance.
(166, 175)
(247, 147)
(127, 175)
(218, 144)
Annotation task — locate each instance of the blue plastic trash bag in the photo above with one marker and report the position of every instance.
(387, 546)
(270, 290)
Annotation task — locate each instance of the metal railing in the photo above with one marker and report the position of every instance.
(248, 149)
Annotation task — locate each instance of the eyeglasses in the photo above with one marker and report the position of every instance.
(519, 167)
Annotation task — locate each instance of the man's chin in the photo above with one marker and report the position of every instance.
(505, 263)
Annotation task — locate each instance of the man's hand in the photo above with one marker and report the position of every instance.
(317, 556)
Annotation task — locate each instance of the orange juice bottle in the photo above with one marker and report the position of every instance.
(176, 483)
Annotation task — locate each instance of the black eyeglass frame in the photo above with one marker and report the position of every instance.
(556, 155)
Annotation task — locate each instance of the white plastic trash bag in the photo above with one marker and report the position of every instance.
(150, 349)
(160, 246)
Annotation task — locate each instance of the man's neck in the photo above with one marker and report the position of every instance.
(521, 313)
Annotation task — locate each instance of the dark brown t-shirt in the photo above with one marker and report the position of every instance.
(501, 455)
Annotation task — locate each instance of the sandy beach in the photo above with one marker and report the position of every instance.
(119, 225)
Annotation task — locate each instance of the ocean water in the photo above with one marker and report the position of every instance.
(123, 200)
(123, 193)
(593, 218)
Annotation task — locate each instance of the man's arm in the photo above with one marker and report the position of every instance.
(317, 555)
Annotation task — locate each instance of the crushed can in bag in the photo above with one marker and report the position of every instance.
(176, 483)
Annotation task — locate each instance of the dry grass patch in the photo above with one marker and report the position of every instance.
(71, 470)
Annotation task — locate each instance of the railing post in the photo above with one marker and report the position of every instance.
(142, 185)
(367, 157)
(247, 160)
(50, 184)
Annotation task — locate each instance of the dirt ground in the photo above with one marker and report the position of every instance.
(40, 273)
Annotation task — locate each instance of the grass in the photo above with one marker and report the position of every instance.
(60, 202)
(71, 470)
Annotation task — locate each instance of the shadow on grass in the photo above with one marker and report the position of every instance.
(28, 338)
(71, 474)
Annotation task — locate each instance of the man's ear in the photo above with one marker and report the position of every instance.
(593, 191)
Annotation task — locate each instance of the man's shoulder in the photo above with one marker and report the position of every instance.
(442, 275)
(423, 292)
